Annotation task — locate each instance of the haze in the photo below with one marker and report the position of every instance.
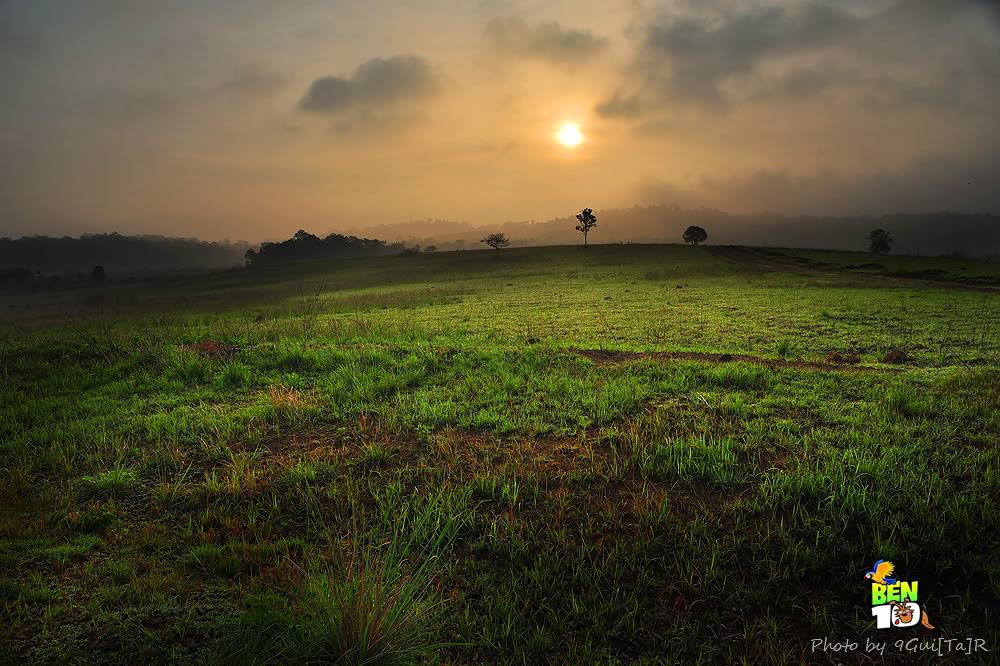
(253, 119)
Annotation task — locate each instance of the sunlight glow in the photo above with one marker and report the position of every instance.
(569, 135)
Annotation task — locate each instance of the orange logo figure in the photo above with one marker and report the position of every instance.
(904, 615)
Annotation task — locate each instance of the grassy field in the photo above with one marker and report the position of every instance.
(956, 269)
(614, 454)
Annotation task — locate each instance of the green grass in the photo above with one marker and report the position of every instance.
(407, 459)
(111, 482)
(962, 269)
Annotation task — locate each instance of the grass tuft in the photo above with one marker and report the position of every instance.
(111, 483)
(215, 559)
(907, 401)
(235, 375)
(696, 459)
(382, 611)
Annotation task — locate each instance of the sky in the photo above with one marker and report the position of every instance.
(250, 119)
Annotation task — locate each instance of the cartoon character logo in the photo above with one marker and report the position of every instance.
(904, 615)
(894, 603)
(880, 573)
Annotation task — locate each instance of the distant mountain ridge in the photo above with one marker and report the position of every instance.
(924, 233)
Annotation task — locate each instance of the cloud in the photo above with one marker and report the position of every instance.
(927, 183)
(379, 81)
(802, 82)
(718, 54)
(878, 92)
(548, 41)
(372, 121)
(16, 42)
(253, 81)
(125, 104)
(618, 106)
(693, 57)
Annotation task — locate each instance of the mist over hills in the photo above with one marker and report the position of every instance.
(931, 234)
(924, 233)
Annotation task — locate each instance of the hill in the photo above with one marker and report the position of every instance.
(920, 234)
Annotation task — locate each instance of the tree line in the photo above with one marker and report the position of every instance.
(116, 252)
(304, 246)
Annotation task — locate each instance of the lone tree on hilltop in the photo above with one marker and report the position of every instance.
(496, 241)
(587, 221)
(879, 242)
(695, 235)
(97, 273)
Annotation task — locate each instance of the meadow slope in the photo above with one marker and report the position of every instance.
(620, 453)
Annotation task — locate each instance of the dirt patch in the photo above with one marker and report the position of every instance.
(896, 357)
(605, 357)
(842, 358)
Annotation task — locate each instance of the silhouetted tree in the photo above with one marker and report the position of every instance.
(496, 241)
(97, 273)
(879, 242)
(695, 235)
(303, 236)
(587, 221)
(304, 246)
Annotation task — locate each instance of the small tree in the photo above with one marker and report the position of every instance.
(587, 221)
(695, 235)
(496, 241)
(879, 242)
(97, 273)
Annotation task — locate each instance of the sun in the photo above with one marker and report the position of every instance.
(569, 135)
